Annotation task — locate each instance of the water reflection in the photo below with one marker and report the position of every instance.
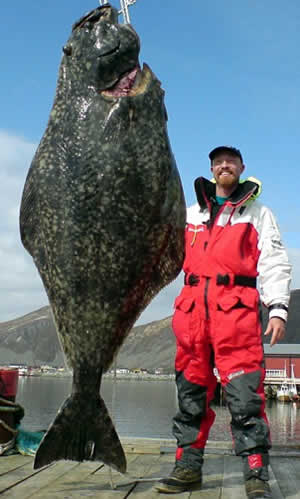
(285, 422)
(143, 408)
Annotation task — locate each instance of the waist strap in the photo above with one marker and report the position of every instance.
(223, 280)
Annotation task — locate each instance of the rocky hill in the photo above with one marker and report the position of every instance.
(32, 340)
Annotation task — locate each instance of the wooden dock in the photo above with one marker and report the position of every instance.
(148, 460)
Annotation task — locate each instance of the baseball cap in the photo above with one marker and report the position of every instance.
(225, 149)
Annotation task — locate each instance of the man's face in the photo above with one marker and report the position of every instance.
(226, 169)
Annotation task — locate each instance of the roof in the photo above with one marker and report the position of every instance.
(282, 349)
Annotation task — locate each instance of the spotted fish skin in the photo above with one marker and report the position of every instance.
(103, 216)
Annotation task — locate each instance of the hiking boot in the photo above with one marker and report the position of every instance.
(257, 489)
(180, 480)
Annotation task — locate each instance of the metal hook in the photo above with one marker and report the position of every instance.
(124, 8)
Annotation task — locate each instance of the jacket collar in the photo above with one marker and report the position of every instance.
(247, 190)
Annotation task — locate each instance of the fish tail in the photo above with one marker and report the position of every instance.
(82, 431)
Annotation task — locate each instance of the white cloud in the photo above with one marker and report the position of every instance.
(21, 289)
(15, 153)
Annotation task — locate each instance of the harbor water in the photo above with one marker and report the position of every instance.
(142, 408)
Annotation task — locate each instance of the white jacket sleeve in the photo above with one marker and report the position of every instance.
(273, 267)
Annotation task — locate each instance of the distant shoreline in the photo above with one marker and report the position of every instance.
(109, 375)
(141, 377)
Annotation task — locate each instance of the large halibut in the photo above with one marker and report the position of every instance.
(103, 216)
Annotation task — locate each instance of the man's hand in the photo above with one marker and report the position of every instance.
(276, 326)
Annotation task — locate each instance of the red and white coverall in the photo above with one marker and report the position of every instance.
(217, 320)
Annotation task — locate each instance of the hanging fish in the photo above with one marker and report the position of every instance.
(103, 216)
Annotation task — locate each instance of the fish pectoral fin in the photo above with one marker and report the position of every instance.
(82, 431)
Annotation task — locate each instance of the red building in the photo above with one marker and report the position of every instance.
(280, 357)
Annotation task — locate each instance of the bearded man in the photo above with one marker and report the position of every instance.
(231, 240)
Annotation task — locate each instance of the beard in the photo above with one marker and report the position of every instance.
(227, 181)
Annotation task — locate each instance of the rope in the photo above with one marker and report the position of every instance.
(9, 409)
(8, 428)
(6, 406)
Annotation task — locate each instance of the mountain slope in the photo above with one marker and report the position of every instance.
(32, 340)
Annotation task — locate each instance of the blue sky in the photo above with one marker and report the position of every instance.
(231, 73)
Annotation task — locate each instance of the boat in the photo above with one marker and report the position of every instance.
(288, 391)
(23, 371)
(283, 393)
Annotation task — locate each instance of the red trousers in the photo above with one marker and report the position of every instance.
(224, 333)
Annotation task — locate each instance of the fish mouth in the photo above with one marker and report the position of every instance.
(133, 82)
(105, 52)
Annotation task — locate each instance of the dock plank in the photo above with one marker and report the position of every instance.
(233, 480)
(25, 481)
(211, 489)
(296, 466)
(16, 476)
(213, 469)
(276, 492)
(157, 468)
(10, 463)
(148, 460)
(287, 476)
(88, 479)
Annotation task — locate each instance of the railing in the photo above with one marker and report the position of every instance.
(275, 373)
(277, 380)
(273, 377)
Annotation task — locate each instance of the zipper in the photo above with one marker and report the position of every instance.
(205, 298)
